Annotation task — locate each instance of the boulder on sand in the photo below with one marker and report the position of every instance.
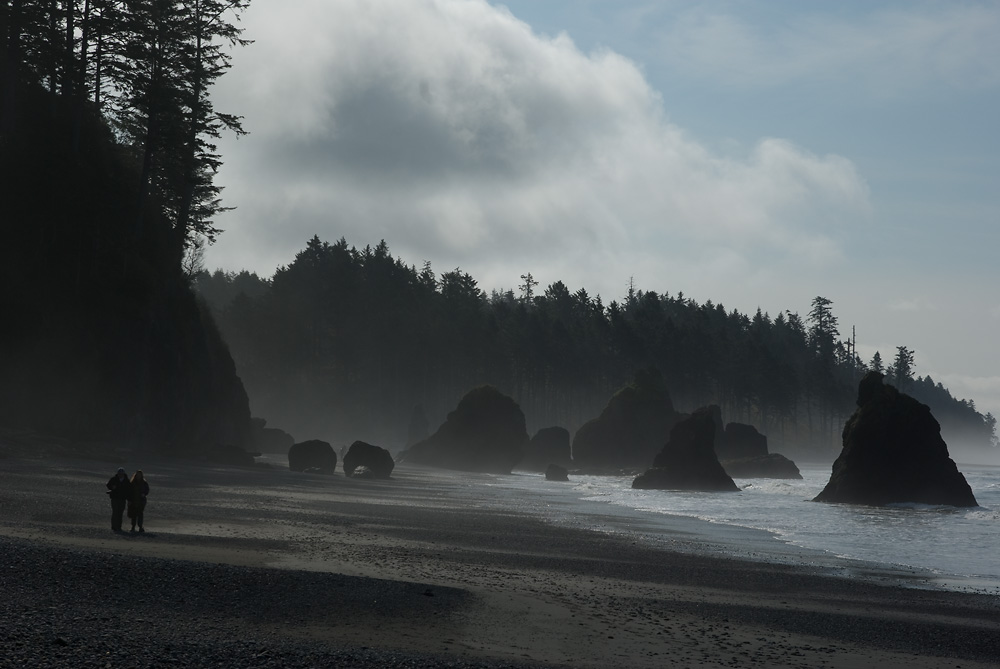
(486, 433)
(556, 473)
(893, 453)
(375, 460)
(550, 445)
(632, 428)
(688, 461)
(312, 454)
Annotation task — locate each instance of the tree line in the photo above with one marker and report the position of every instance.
(343, 342)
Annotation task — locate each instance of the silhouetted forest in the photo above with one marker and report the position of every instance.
(106, 166)
(342, 343)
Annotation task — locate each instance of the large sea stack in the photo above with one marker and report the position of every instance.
(688, 460)
(893, 453)
(486, 433)
(632, 428)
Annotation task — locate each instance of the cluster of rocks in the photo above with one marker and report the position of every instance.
(486, 433)
(362, 460)
(893, 450)
(742, 450)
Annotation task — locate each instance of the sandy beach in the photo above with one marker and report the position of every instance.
(260, 567)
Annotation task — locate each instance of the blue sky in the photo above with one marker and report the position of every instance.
(751, 153)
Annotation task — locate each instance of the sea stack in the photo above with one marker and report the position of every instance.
(688, 460)
(742, 450)
(485, 433)
(632, 428)
(893, 453)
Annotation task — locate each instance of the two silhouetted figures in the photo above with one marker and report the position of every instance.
(127, 493)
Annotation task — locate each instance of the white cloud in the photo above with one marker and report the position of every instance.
(913, 304)
(940, 44)
(453, 131)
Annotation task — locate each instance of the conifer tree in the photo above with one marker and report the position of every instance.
(168, 55)
(876, 364)
(823, 331)
(902, 368)
(210, 32)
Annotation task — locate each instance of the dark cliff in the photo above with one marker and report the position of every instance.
(103, 339)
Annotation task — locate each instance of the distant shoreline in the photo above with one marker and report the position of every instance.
(275, 568)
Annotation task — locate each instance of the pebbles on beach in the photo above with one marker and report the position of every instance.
(70, 608)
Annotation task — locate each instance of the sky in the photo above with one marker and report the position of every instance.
(755, 153)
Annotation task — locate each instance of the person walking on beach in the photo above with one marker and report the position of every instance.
(119, 490)
(137, 501)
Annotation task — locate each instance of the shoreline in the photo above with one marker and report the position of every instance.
(694, 535)
(420, 568)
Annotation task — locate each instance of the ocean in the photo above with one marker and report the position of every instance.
(775, 520)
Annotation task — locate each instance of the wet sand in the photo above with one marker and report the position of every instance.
(280, 569)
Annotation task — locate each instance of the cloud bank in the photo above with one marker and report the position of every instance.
(453, 131)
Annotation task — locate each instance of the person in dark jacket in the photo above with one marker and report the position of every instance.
(137, 502)
(119, 490)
